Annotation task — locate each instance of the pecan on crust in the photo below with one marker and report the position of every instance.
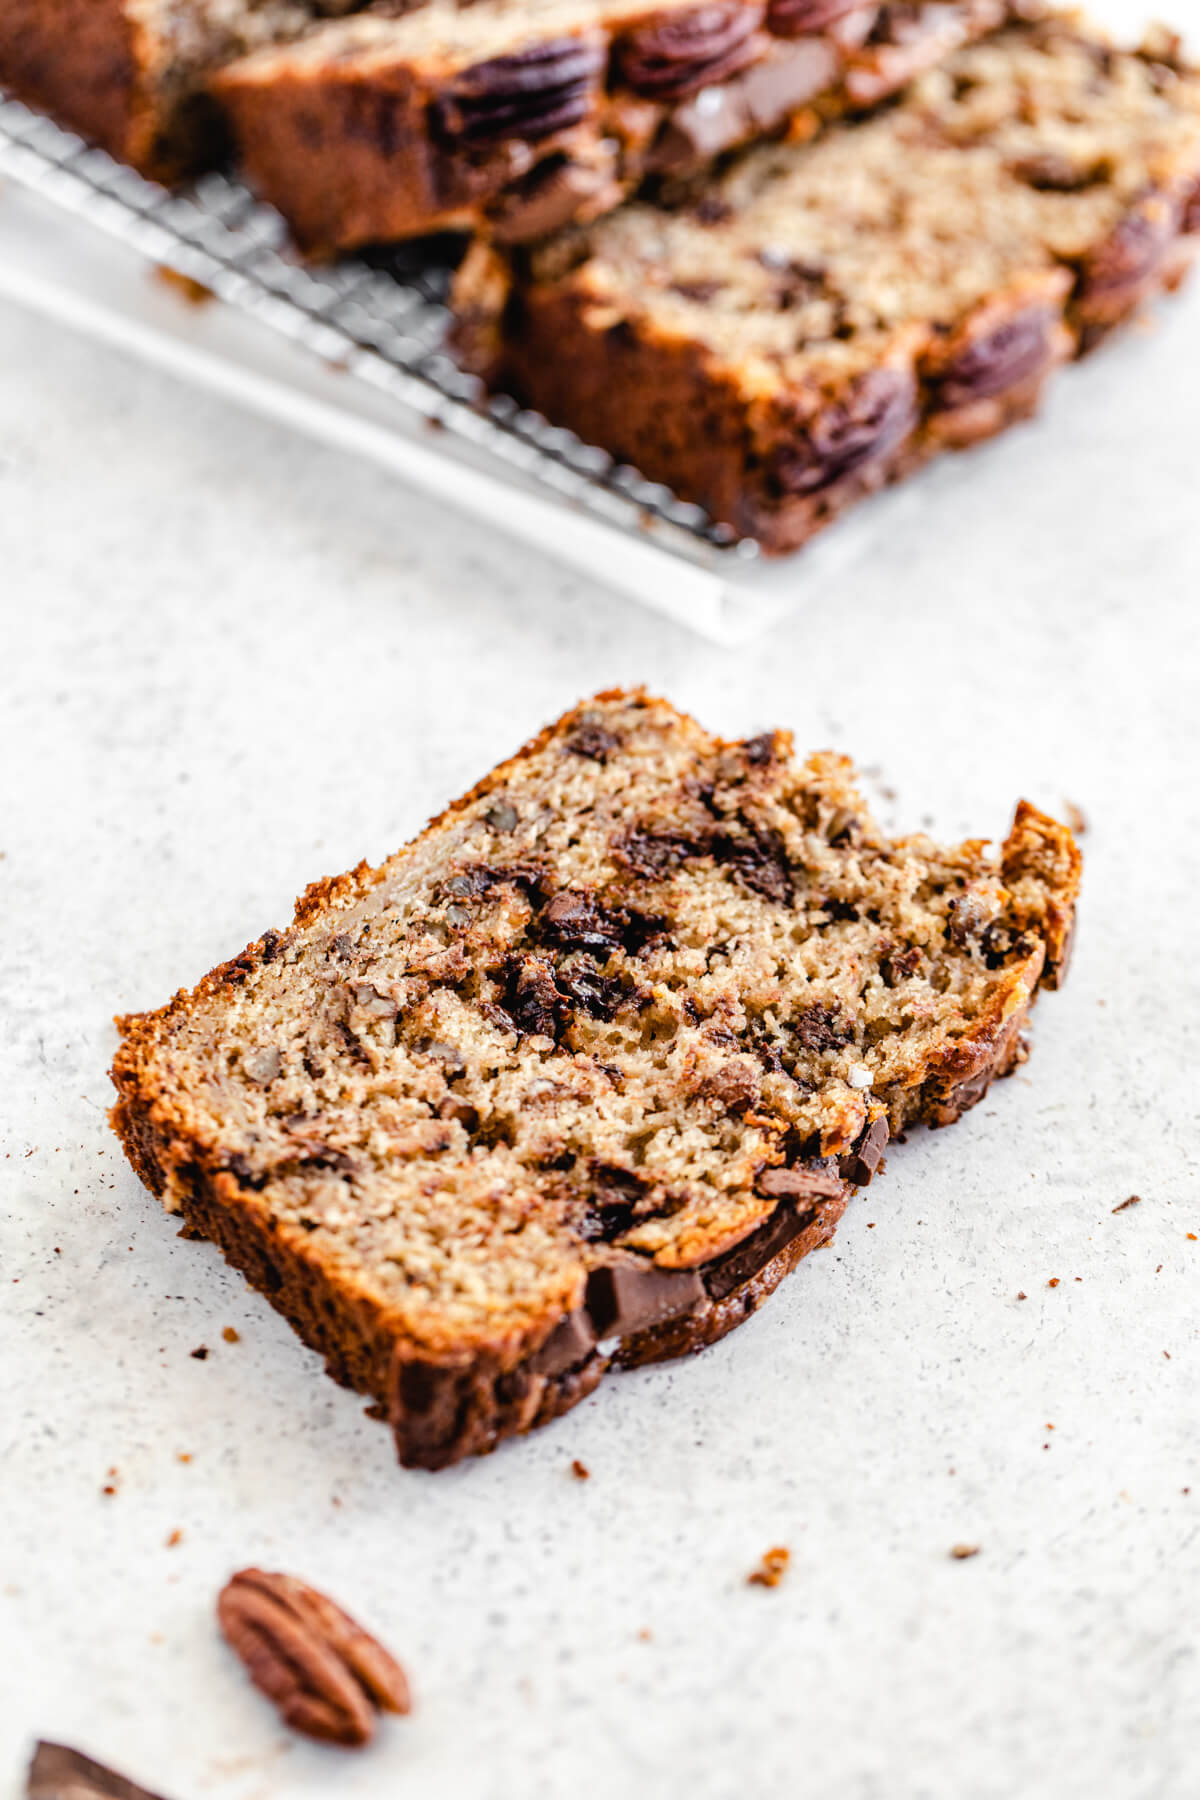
(323, 1672)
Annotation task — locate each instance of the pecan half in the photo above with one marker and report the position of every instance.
(869, 420)
(1132, 251)
(324, 1673)
(529, 94)
(1016, 349)
(678, 53)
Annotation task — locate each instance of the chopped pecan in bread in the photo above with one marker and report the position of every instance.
(575, 1078)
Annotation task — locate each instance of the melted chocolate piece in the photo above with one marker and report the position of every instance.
(634, 1294)
(531, 997)
(821, 1028)
(758, 858)
(1002, 358)
(576, 920)
(600, 996)
(594, 742)
(876, 413)
(801, 1184)
(530, 94)
(859, 1164)
(572, 1340)
(679, 53)
(754, 1252)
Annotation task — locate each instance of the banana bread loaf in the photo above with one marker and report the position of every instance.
(577, 1077)
(821, 318)
(517, 118)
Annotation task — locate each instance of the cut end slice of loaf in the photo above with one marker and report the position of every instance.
(578, 1075)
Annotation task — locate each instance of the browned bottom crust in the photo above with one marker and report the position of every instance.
(442, 1412)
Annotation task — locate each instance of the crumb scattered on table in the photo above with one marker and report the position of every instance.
(176, 1537)
(960, 1552)
(194, 292)
(1076, 818)
(1133, 1200)
(230, 1335)
(200, 1352)
(580, 1470)
(772, 1569)
(1053, 1281)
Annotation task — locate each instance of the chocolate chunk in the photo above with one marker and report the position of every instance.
(876, 412)
(679, 53)
(1012, 352)
(652, 852)
(800, 1183)
(244, 1173)
(758, 857)
(760, 751)
(821, 1028)
(723, 116)
(753, 1254)
(572, 1339)
(859, 1164)
(600, 996)
(576, 920)
(271, 942)
(735, 1087)
(1131, 253)
(594, 742)
(797, 18)
(629, 1296)
(530, 94)
(59, 1773)
(531, 998)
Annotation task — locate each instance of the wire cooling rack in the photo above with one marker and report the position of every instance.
(76, 244)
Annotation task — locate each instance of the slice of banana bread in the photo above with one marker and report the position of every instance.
(823, 317)
(518, 116)
(577, 1077)
(132, 75)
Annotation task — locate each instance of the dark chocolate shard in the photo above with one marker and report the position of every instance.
(676, 54)
(753, 1254)
(576, 920)
(634, 1294)
(801, 1184)
(1011, 353)
(874, 414)
(860, 1163)
(570, 1343)
(59, 1773)
(529, 94)
(593, 741)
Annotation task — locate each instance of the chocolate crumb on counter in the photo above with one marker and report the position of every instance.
(200, 1352)
(772, 1569)
(1133, 1200)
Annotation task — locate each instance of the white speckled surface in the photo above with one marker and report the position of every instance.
(233, 661)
